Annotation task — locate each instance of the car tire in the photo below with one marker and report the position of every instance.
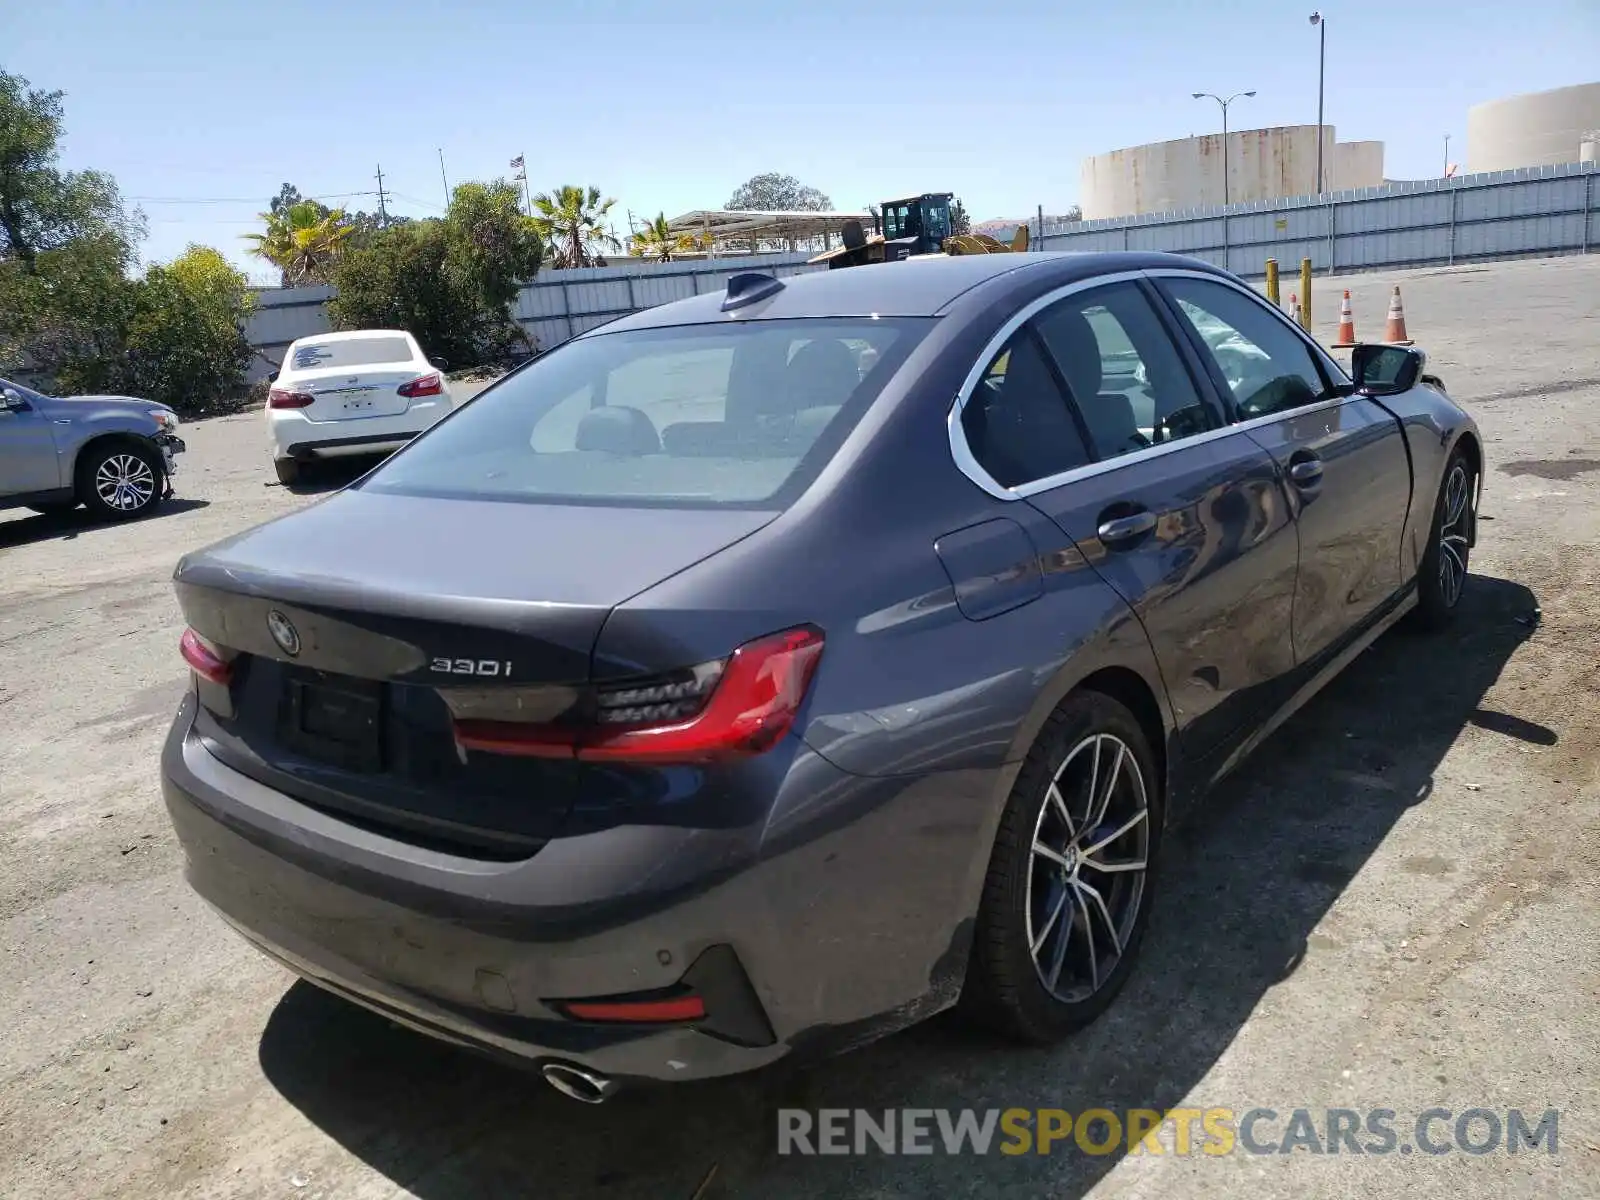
(120, 479)
(288, 470)
(1101, 914)
(1442, 577)
(57, 508)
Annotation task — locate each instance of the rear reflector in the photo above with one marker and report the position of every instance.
(670, 1010)
(280, 398)
(753, 698)
(203, 657)
(423, 385)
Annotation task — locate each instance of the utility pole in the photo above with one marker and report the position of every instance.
(1224, 105)
(519, 164)
(383, 210)
(1447, 156)
(446, 179)
(1321, 22)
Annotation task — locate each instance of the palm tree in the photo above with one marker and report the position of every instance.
(569, 221)
(656, 240)
(302, 240)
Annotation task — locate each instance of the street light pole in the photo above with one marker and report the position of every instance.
(1321, 23)
(1224, 105)
(1447, 156)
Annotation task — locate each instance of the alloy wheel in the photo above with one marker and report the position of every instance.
(1453, 535)
(1088, 867)
(125, 482)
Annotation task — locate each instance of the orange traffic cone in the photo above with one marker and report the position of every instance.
(1394, 332)
(1347, 324)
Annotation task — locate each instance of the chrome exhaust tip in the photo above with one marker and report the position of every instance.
(579, 1083)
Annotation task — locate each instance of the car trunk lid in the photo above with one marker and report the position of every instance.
(361, 629)
(344, 394)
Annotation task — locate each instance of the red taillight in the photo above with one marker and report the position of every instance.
(661, 1011)
(203, 657)
(424, 385)
(752, 703)
(281, 398)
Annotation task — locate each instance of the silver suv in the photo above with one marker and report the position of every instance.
(112, 454)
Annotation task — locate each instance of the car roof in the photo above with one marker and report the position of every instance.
(920, 286)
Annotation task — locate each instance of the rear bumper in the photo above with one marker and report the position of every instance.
(788, 959)
(292, 435)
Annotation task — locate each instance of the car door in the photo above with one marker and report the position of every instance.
(1183, 517)
(1344, 456)
(28, 459)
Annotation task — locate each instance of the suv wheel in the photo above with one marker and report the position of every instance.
(288, 470)
(1070, 879)
(120, 479)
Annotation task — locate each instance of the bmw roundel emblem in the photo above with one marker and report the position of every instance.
(283, 632)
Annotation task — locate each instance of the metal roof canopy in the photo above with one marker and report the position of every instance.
(721, 223)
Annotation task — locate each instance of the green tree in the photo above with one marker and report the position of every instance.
(960, 222)
(303, 240)
(571, 221)
(451, 281)
(657, 241)
(41, 207)
(774, 192)
(185, 343)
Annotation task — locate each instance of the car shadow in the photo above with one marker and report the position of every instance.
(1246, 882)
(330, 475)
(66, 526)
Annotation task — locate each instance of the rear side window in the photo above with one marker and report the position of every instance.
(1125, 375)
(732, 414)
(350, 352)
(1016, 422)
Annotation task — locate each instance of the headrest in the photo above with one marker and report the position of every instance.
(618, 429)
(822, 374)
(1072, 338)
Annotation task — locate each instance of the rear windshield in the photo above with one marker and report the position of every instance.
(742, 414)
(350, 352)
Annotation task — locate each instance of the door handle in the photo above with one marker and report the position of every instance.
(1307, 472)
(1121, 530)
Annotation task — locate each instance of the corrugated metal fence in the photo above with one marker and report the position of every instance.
(1539, 211)
(1535, 212)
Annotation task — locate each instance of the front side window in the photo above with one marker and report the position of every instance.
(731, 414)
(1267, 366)
(1126, 377)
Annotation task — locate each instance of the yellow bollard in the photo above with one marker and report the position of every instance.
(1305, 294)
(1272, 280)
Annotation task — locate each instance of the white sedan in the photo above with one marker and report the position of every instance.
(366, 391)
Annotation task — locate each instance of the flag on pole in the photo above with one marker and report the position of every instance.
(517, 161)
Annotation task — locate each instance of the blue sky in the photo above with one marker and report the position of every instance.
(668, 107)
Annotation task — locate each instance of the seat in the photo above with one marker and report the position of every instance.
(1109, 415)
(618, 429)
(1021, 431)
(822, 374)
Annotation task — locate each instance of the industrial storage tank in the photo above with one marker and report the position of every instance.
(1262, 164)
(1538, 129)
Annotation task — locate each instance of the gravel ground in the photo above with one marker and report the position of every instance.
(1395, 905)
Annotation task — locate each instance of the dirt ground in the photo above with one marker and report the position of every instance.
(1395, 905)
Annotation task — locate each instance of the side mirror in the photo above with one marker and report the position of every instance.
(1382, 370)
(11, 400)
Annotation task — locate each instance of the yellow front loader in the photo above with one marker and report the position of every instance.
(917, 225)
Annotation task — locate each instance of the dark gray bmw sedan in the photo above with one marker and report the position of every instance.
(769, 670)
